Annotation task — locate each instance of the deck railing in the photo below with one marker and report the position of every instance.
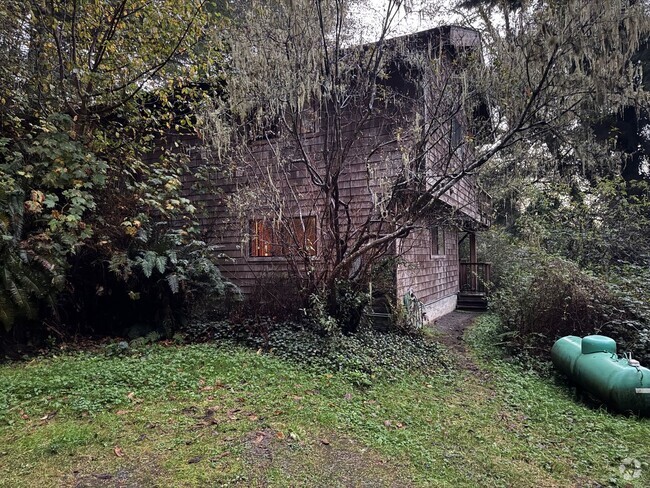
(475, 277)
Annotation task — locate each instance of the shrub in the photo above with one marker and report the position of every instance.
(630, 323)
(163, 279)
(365, 355)
(540, 297)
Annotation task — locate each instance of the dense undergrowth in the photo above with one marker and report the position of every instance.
(366, 353)
(541, 296)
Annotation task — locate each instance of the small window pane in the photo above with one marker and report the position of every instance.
(437, 241)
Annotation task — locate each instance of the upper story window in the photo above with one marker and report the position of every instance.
(456, 136)
(296, 236)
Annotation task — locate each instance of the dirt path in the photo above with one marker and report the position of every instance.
(450, 328)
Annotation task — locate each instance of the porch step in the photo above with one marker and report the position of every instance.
(472, 301)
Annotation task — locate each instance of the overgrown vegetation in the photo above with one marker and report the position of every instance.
(541, 297)
(89, 91)
(366, 355)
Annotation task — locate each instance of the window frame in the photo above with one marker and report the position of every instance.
(276, 238)
(438, 241)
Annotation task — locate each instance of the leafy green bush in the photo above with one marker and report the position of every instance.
(48, 183)
(164, 278)
(540, 297)
(630, 323)
(339, 309)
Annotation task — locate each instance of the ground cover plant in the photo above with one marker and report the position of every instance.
(191, 415)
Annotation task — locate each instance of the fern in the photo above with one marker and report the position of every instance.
(147, 263)
(27, 280)
(173, 282)
(7, 313)
(161, 263)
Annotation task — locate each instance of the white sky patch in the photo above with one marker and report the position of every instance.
(411, 16)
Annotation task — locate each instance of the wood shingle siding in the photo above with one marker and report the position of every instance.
(376, 158)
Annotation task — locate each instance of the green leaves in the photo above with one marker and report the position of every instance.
(87, 97)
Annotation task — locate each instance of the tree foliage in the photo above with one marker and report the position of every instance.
(87, 89)
(574, 197)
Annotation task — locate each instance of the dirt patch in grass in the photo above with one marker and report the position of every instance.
(329, 460)
(450, 328)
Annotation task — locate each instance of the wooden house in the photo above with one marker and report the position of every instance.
(273, 236)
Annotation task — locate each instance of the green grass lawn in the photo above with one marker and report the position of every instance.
(201, 415)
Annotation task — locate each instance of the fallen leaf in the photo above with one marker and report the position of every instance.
(49, 415)
(118, 451)
(297, 398)
(325, 442)
(387, 423)
(348, 396)
(121, 412)
(194, 460)
(231, 414)
(279, 434)
(130, 395)
(399, 425)
(23, 415)
(253, 418)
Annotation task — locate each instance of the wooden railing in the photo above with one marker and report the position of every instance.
(475, 277)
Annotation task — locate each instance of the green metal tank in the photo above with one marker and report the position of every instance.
(594, 365)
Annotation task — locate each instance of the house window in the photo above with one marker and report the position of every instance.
(262, 242)
(437, 241)
(456, 137)
(294, 237)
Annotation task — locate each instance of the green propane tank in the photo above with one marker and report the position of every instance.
(593, 364)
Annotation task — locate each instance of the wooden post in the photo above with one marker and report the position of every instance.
(473, 260)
